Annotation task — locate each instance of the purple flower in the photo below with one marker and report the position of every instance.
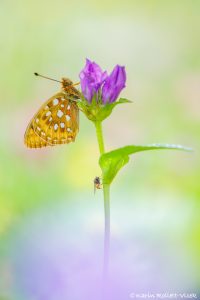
(91, 78)
(113, 85)
(94, 81)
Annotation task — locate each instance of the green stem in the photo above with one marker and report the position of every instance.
(100, 136)
(106, 193)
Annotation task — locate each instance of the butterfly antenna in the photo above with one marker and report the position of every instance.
(36, 74)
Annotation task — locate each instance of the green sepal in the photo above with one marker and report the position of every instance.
(111, 162)
(96, 111)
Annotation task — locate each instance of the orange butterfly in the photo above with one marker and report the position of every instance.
(57, 120)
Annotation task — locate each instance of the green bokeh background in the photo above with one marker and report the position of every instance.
(158, 192)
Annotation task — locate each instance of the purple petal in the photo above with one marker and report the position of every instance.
(113, 85)
(91, 78)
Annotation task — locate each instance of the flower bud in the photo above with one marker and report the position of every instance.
(113, 85)
(91, 78)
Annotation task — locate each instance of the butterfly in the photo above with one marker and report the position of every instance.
(57, 120)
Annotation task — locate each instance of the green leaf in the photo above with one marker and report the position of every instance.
(124, 100)
(111, 162)
(96, 111)
(107, 109)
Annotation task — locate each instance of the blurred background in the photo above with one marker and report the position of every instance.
(51, 224)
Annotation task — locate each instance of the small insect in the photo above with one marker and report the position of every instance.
(57, 120)
(97, 183)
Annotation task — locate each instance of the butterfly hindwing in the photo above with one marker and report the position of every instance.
(56, 122)
(32, 140)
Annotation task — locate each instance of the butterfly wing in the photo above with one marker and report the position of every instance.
(32, 140)
(56, 122)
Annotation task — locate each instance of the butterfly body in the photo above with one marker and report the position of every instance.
(57, 120)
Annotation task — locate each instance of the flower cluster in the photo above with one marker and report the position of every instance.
(97, 84)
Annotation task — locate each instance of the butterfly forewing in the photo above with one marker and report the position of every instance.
(56, 122)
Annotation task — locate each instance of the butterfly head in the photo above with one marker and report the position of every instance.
(69, 87)
(66, 83)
